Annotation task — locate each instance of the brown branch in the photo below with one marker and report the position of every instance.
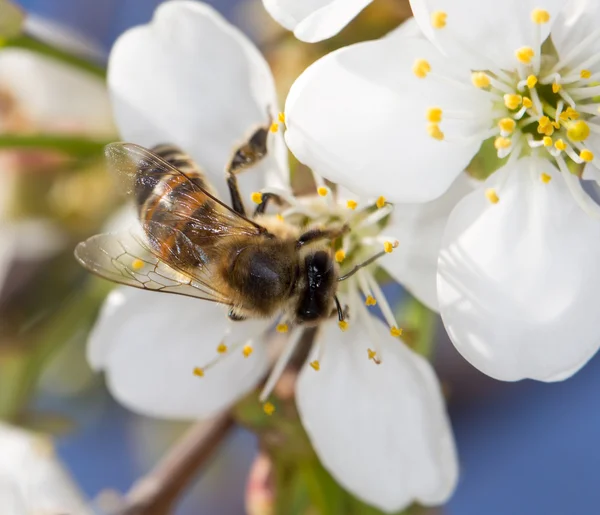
(156, 493)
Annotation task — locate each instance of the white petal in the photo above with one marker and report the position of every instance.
(192, 79)
(419, 229)
(314, 20)
(485, 35)
(149, 344)
(358, 117)
(577, 20)
(52, 96)
(519, 280)
(381, 430)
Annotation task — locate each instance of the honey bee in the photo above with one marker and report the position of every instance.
(192, 243)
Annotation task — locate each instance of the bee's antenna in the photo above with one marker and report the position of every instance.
(368, 262)
(339, 309)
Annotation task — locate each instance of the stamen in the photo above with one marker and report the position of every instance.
(370, 301)
(274, 127)
(282, 328)
(343, 325)
(257, 197)
(438, 19)
(434, 114)
(545, 178)
(502, 143)
(556, 87)
(421, 68)
(585, 202)
(315, 365)
(583, 44)
(480, 79)
(380, 202)
(281, 117)
(540, 16)
(385, 307)
(388, 246)
(586, 155)
(585, 74)
(524, 54)
(137, 264)
(280, 365)
(247, 350)
(531, 81)
(512, 101)
(492, 196)
(559, 144)
(527, 102)
(351, 204)
(395, 331)
(199, 372)
(578, 131)
(268, 408)
(222, 348)
(433, 129)
(373, 356)
(507, 125)
(547, 140)
(340, 255)
(322, 191)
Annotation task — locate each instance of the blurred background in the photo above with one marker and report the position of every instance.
(525, 448)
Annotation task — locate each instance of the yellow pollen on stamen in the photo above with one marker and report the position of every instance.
(433, 129)
(586, 155)
(279, 217)
(388, 246)
(527, 102)
(257, 197)
(199, 372)
(274, 127)
(137, 264)
(524, 54)
(438, 19)
(540, 16)
(559, 144)
(343, 325)
(545, 178)
(395, 331)
(282, 328)
(322, 191)
(480, 79)
(371, 353)
(512, 101)
(340, 255)
(370, 301)
(547, 141)
(380, 202)
(316, 365)
(531, 81)
(578, 131)
(585, 74)
(351, 204)
(502, 143)
(492, 196)
(268, 408)
(421, 68)
(434, 114)
(222, 348)
(556, 87)
(247, 350)
(281, 117)
(507, 125)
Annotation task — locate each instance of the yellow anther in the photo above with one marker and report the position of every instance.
(281, 117)
(274, 127)
(388, 246)
(556, 124)
(540, 16)
(559, 144)
(480, 79)
(380, 202)
(527, 102)
(586, 155)
(492, 196)
(502, 143)
(268, 408)
(316, 365)
(322, 191)
(545, 126)
(434, 114)
(532, 80)
(222, 348)
(137, 264)
(247, 350)
(199, 372)
(507, 125)
(351, 204)
(438, 19)
(556, 87)
(569, 114)
(371, 353)
(282, 328)
(524, 54)
(343, 325)
(257, 197)
(545, 178)
(512, 101)
(543, 121)
(578, 131)
(370, 301)
(585, 74)
(433, 129)
(547, 141)
(421, 68)
(279, 217)
(395, 331)
(340, 255)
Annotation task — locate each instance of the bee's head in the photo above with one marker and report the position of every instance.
(317, 285)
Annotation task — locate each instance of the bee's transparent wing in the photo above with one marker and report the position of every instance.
(126, 258)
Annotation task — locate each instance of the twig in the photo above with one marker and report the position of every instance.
(156, 493)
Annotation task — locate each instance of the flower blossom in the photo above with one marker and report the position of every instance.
(372, 407)
(513, 85)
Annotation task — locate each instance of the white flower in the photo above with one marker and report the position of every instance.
(192, 79)
(518, 277)
(32, 479)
